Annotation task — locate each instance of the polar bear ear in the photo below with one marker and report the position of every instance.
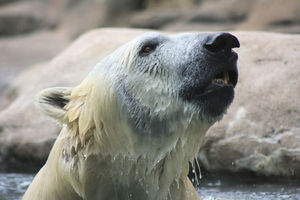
(52, 101)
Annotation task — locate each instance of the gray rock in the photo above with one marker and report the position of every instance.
(158, 4)
(224, 11)
(22, 51)
(261, 132)
(72, 17)
(154, 19)
(6, 1)
(21, 17)
(277, 15)
(77, 17)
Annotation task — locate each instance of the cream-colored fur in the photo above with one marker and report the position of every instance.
(88, 157)
(98, 155)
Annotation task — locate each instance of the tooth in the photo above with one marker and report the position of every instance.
(218, 81)
(226, 77)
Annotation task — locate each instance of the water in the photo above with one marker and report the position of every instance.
(218, 190)
(13, 186)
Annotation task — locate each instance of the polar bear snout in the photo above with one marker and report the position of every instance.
(210, 80)
(222, 42)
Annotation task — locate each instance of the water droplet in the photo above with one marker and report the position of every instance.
(293, 172)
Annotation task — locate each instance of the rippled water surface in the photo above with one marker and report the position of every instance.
(12, 187)
(235, 190)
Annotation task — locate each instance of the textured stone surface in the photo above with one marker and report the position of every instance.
(261, 132)
(276, 15)
(22, 51)
(74, 17)
(21, 17)
(154, 19)
(224, 11)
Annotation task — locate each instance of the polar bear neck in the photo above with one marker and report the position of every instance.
(148, 175)
(99, 148)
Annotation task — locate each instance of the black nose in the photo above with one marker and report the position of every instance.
(221, 41)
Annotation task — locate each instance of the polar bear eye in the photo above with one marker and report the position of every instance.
(147, 49)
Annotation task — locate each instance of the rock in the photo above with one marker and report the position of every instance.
(154, 4)
(80, 16)
(26, 135)
(153, 19)
(20, 52)
(278, 15)
(224, 11)
(72, 17)
(21, 17)
(218, 15)
(261, 132)
(77, 17)
(202, 27)
(6, 1)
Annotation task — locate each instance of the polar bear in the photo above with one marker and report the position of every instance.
(133, 125)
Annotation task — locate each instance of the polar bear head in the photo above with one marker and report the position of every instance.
(155, 86)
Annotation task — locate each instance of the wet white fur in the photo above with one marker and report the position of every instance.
(98, 155)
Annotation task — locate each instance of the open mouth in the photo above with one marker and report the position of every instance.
(225, 78)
